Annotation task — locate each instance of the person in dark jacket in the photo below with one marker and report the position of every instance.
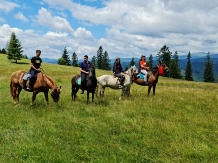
(35, 68)
(117, 69)
(84, 72)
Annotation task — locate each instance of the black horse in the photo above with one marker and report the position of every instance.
(91, 83)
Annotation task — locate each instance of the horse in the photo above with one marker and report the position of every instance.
(113, 82)
(90, 85)
(153, 77)
(42, 84)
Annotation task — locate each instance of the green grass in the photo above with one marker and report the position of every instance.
(178, 124)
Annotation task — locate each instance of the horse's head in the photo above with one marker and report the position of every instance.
(165, 68)
(91, 70)
(55, 94)
(133, 70)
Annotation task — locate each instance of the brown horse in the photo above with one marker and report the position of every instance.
(153, 78)
(42, 84)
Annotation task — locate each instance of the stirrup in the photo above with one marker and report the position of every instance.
(120, 86)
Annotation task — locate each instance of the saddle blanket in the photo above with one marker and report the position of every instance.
(26, 76)
(141, 75)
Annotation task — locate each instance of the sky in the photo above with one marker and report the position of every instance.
(124, 28)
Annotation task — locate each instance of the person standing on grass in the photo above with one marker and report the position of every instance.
(35, 68)
(84, 72)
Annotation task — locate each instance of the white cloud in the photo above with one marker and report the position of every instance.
(20, 16)
(56, 34)
(2, 20)
(6, 6)
(58, 23)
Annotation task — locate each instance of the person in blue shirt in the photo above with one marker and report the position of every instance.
(84, 72)
(35, 68)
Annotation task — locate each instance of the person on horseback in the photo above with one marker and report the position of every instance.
(144, 68)
(84, 72)
(35, 68)
(117, 69)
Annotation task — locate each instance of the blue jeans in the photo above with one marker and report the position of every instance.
(33, 77)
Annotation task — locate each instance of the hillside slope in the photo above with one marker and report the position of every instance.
(178, 124)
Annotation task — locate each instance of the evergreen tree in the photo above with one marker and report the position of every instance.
(208, 71)
(64, 60)
(3, 51)
(175, 68)
(188, 70)
(74, 60)
(164, 55)
(14, 50)
(99, 57)
(105, 61)
(126, 68)
(132, 62)
(151, 61)
(93, 61)
(0, 51)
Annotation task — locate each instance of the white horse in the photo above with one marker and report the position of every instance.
(113, 82)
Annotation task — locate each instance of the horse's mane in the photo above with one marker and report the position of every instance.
(154, 70)
(49, 79)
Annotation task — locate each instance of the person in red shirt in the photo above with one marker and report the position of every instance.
(144, 68)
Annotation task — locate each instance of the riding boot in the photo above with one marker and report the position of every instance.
(82, 87)
(122, 80)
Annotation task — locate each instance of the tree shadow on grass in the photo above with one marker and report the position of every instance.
(20, 63)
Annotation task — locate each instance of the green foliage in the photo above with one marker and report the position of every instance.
(93, 61)
(24, 56)
(178, 124)
(164, 55)
(208, 69)
(188, 70)
(3, 51)
(132, 62)
(105, 62)
(99, 57)
(151, 61)
(65, 59)
(75, 60)
(126, 68)
(175, 68)
(217, 79)
(0, 51)
(14, 49)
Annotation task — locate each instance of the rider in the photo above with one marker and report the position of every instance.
(84, 72)
(117, 69)
(35, 68)
(144, 68)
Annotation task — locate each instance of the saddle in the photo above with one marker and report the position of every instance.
(79, 80)
(141, 75)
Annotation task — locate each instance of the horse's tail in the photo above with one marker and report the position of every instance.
(96, 89)
(11, 88)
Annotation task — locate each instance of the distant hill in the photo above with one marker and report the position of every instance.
(197, 60)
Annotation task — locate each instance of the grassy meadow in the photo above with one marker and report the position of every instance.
(178, 124)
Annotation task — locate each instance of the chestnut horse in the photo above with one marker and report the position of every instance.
(42, 84)
(153, 78)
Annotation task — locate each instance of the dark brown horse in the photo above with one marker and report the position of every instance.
(153, 78)
(90, 85)
(42, 84)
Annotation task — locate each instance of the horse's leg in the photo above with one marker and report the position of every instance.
(154, 86)
(149, 89)
(87, 96)
(75, 92)
(33, 97)
(102, 91)
(14, 94)
(93, 93)
(46, 96)
(72, 93)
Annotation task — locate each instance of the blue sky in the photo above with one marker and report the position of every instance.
(124, 28)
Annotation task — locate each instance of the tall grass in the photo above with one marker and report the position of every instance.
(178, 124)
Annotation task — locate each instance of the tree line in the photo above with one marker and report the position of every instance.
(14, 51)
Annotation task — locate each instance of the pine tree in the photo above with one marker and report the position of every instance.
(188, 70)
(93, 61)
(132, 62)
(151, 61)
(3, 51)
(208, 71)
(105, 61)
(74, 60)
(164, 55)
(64, 60)
(175, 68)
(99, 57)
(126, 68)
(14, 50)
